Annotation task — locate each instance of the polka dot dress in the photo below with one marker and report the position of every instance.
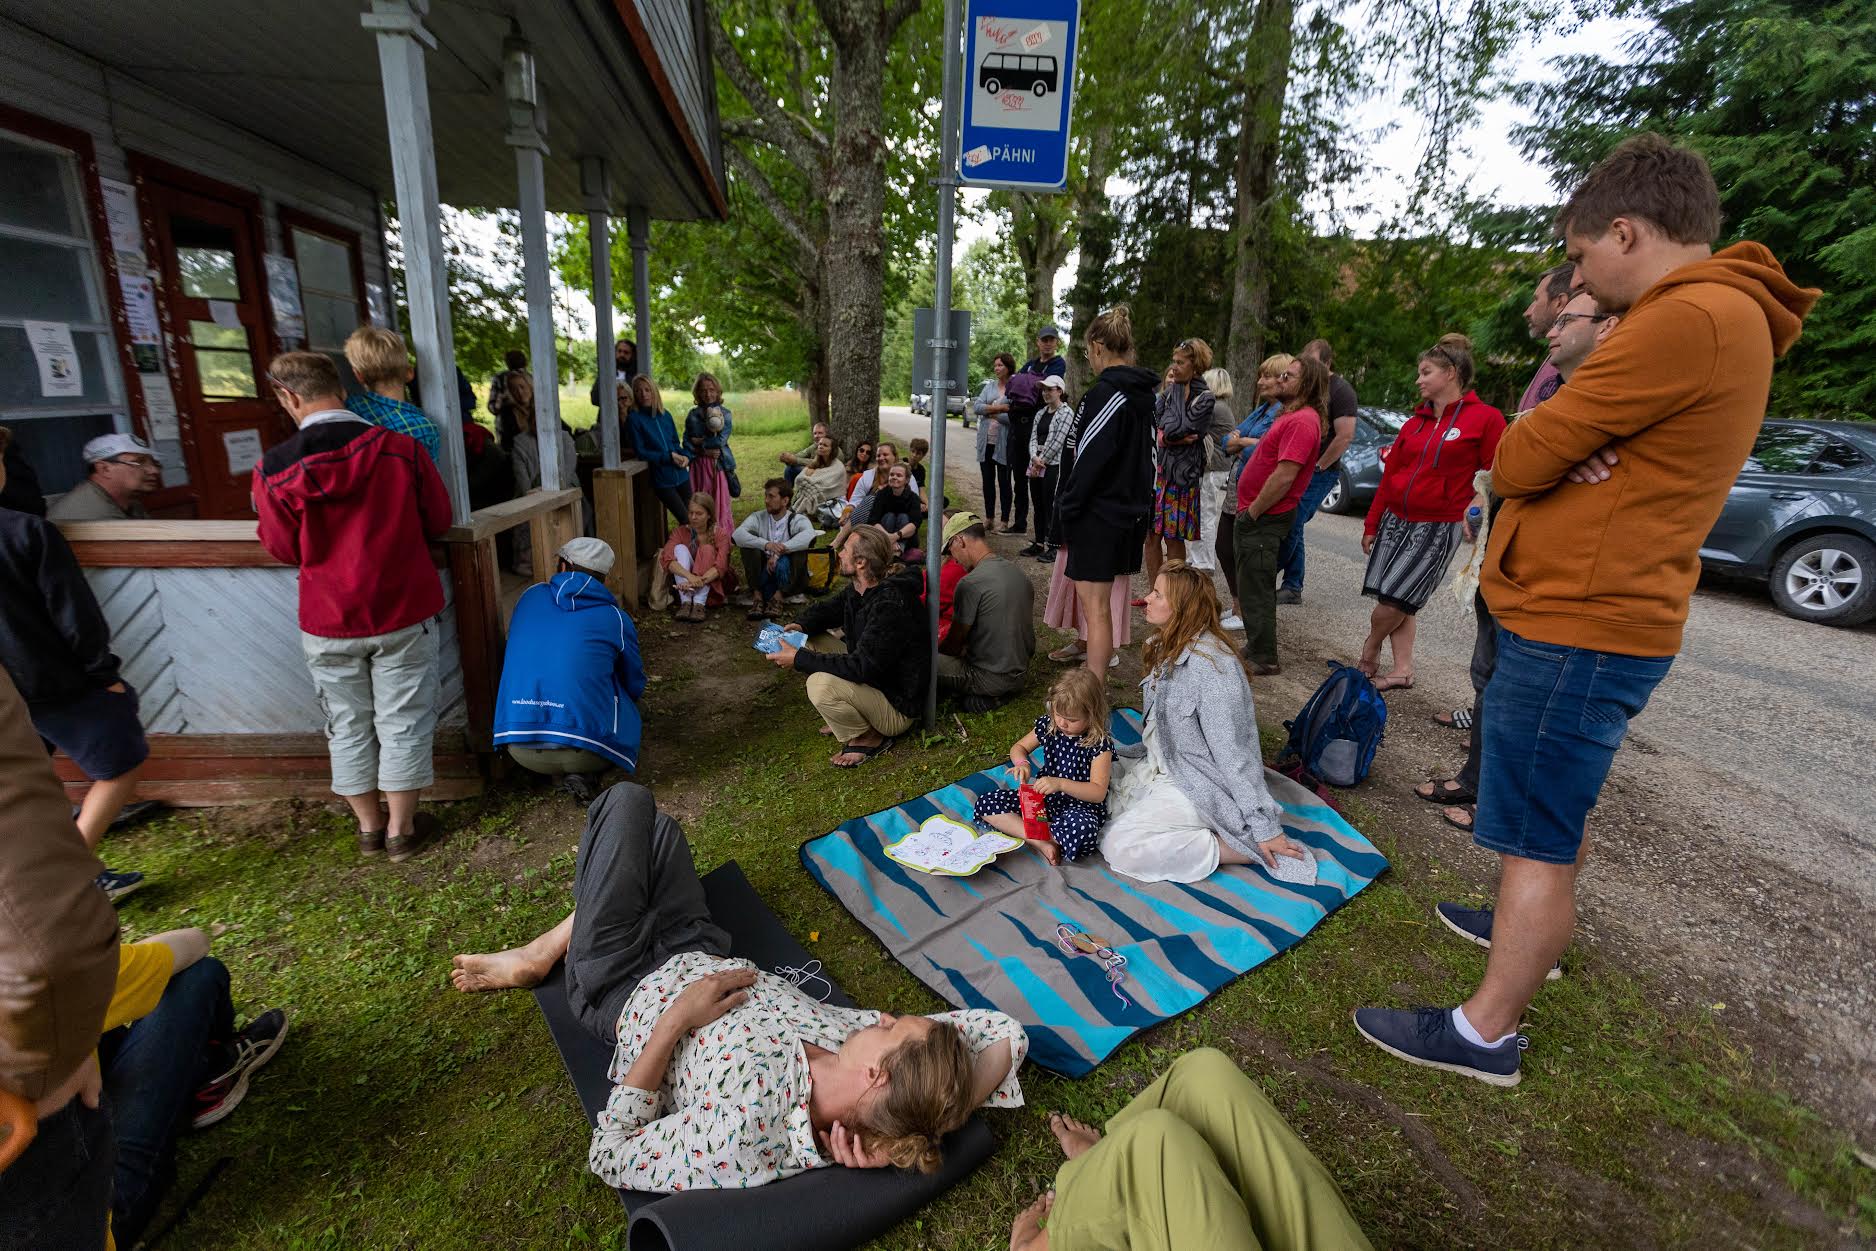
(1075, 823)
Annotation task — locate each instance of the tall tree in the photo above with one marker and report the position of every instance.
(1781, 99)
(1260, 122)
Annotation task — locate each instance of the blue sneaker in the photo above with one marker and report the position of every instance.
(116, 885)
(1427, 1036)
(1475, 925)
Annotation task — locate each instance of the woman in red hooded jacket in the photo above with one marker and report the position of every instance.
(1418, 518)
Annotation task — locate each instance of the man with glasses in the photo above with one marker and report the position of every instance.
(1553, 292)
(121, 469)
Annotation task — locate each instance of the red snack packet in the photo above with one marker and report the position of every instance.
(1035, 813)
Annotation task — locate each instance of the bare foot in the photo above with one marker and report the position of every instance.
(1074, 1136)
(515, 969)
(1027, 1233)
(1049, 850)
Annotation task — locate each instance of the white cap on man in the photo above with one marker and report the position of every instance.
(593, 554)
(111, 446)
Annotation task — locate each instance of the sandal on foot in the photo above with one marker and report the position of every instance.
(1457, 719)
(865, 753)
(1472, 815)
(1392, 683)
(1446, 792)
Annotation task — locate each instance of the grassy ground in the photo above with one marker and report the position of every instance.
(401, 1114)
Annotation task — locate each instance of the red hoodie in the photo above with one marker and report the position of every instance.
(1431, 463)
(356, 507)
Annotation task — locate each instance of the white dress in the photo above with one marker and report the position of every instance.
(1153, 832)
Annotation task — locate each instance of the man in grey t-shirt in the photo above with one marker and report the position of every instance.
(121, 469)
(985, 656)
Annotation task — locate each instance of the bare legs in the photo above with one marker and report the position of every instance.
(102, 804)
(1011, 823)
(402, 806)
(1532, 924)
(515, 969)
(1095, 600)
(1388, 624)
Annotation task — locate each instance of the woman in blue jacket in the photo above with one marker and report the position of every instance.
(653, 433)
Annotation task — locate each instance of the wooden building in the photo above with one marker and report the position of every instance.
(190, 186)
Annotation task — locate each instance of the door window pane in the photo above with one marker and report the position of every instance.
(206, 334)
(225, 374)
(208, 273)
(37, 188)
(1783, 449)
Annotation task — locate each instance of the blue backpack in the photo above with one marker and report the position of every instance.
(1339, 730)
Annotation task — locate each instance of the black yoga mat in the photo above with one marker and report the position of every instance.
(828, 1209)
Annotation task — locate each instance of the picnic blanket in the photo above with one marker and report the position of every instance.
(825, 1209)
(991, 940)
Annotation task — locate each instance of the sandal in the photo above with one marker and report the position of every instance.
(1392, 683)
(865, 753)
(1069, 655)
(1457, 719)
(1471, 811)
(1446, 792)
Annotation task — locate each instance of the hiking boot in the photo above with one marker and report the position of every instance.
(1289, 596)
(1475, 925)
(403, 846)
(116, 886)
(251, 1048)
(1427, 1036)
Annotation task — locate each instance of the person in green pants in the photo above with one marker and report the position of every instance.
(1199, 1159)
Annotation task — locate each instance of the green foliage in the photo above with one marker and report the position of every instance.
(986, 280)
(1781, 99)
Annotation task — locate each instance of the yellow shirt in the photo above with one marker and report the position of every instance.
(143, 971)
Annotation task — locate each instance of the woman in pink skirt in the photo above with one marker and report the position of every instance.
(707, 443)
(1064, 613)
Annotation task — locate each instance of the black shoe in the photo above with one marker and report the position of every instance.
(1034, 549)
(578, 785)
(983, 703)
(1046, 556)
(1289, 596)
(252, 1047)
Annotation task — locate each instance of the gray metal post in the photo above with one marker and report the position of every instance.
(638, 227)
(941, 330)
(599, 232)
(402, 41)
(530, 145)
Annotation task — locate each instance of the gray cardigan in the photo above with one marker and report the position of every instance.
(1202, 714)
(987, 395)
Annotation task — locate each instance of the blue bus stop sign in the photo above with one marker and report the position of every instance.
(1019, 87)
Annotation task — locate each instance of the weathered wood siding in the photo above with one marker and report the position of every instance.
(217, 651)
(682, 40)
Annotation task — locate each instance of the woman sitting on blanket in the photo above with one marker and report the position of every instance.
(1194, 795)
(1077, 755)
(726, 1076)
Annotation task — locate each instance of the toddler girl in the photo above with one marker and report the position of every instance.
(1077, 756)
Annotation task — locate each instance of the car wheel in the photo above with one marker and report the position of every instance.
(1827, 578)
(1341, 496)
(993, 86)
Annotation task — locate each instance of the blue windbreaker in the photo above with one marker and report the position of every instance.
(572, 674)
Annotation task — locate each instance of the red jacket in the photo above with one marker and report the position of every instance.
(356, 507)
(1431, 463)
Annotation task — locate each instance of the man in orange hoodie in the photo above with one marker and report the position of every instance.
(1610, 486)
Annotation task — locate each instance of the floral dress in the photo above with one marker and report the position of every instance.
(732, 1111)
(1074, 824)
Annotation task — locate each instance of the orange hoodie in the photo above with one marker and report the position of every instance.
(1679, 387)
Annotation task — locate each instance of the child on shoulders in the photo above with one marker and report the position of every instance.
(1077, 760)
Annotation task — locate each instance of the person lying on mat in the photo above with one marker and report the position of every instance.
(1199, 1159)
(725, 1076)
(1198, 798)
(1072, 780)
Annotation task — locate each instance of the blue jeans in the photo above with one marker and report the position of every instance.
(1290, 554)
(58, 1193)
(152, 1069)
(1554, 716)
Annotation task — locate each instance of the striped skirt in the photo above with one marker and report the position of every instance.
(1408, 560)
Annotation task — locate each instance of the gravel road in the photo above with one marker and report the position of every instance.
(1733, 858)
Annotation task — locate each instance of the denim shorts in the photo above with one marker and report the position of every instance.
(99, 730)
(1554, 716)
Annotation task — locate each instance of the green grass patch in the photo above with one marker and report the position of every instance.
(401, 1114)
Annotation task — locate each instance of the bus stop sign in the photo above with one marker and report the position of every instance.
(1019, 86)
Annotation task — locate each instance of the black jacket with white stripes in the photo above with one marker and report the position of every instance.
(1107, 467)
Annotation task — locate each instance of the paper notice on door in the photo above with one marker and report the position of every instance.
(244, 450)
(59, 374)
(146, 332)
(224, 313)
(159, 408)
(120, 214)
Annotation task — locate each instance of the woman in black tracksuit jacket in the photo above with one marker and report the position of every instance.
(1104, 498)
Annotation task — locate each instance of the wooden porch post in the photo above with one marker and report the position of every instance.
(530, 145)
(638, 224)
(594, 183)
(402, 41)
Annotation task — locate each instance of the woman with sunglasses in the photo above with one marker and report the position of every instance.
(1418, 518)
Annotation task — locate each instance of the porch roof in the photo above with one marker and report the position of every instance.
(627, 80)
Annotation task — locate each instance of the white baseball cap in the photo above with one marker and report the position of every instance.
(594, 554)
(1052, 380)
(108, 446)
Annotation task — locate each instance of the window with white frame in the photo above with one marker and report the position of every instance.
(52, 275)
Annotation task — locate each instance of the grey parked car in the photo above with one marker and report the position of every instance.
(1802, 518)
(1375, 429)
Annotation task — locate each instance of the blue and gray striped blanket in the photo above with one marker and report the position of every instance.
(991, 940)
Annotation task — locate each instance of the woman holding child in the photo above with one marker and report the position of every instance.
(707, 429)
(1195, 797)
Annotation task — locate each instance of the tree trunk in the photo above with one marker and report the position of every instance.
(1095, 228)
(1041, 236)
(1261, 124)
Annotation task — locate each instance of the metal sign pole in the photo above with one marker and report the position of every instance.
(941, 337)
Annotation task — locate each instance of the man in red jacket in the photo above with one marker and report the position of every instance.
(356, 507)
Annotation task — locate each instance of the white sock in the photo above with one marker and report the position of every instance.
(1472, 1035)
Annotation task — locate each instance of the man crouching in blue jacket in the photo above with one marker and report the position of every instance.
(568, 703)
